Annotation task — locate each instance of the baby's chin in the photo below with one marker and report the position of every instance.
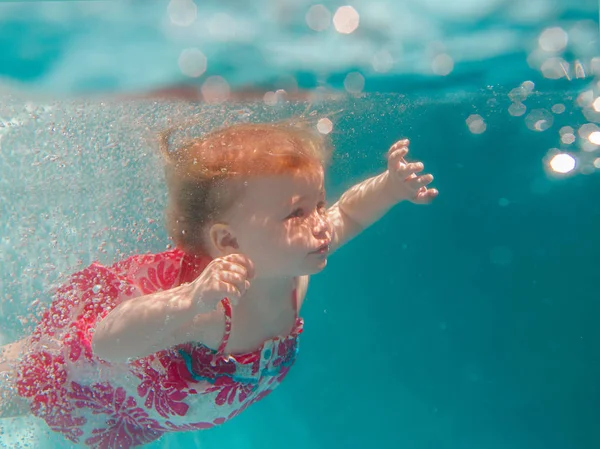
(306, 269)
(314, 268)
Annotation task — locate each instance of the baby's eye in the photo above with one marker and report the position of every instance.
(298, 213)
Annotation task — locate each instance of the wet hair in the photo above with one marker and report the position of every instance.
(205, 175)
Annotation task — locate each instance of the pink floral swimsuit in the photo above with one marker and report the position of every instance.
(188, 387)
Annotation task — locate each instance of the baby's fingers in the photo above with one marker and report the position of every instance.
(426, 196)
(403, 143)
(239, 262)
(396, 158)
(233, 283)
(408, 170)
(231, 292)
(419, 181)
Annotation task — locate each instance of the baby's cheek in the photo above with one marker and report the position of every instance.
(298, 236)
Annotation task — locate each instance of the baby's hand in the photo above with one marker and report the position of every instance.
(227, 276)
(403, 182)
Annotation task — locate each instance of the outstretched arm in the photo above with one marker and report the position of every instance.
(366, 202)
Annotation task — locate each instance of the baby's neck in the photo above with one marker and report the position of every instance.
(269, 288)
(265, 291)
(265, 311)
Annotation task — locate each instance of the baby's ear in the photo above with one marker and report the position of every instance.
(222, 239)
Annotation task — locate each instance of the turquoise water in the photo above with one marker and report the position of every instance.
(467, 324)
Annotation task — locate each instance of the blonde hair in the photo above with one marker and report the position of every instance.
(198, 171)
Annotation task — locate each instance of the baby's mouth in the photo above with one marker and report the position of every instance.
(323, 249)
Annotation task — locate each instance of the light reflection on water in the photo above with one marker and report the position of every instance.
(262, 42)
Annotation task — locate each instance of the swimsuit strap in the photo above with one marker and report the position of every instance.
(227, 307)
(228, 311)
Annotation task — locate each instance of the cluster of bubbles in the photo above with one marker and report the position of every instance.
(79, 184)
(72, 172)
(577, 145)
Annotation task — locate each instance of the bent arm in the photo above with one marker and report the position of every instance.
(359, 207)
(147, 324)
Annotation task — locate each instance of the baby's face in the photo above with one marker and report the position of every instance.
(280, 223)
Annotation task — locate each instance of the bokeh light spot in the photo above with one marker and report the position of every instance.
(192, 62)
(346, 20)
(562, 163)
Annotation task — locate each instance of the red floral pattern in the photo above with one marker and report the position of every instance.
(42, 379)
(63, 379)
(127, 425)
(164, 390)
(286, 352)
(229, 391)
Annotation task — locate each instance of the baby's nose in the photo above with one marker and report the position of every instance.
(321, 225)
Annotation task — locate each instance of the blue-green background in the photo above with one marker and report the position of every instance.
(416, 335)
